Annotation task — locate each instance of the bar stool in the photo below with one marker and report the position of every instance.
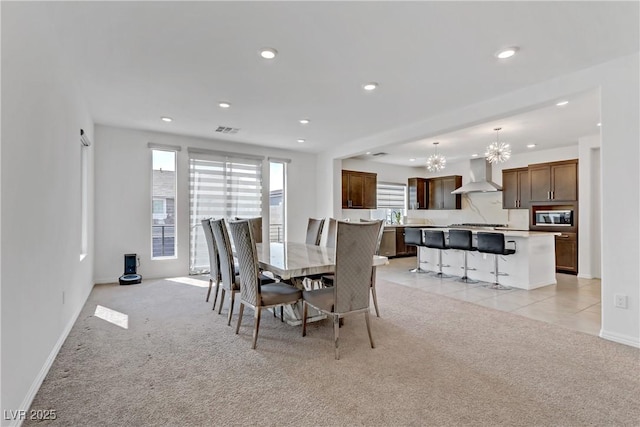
(494, 243)
(435, 240)
(413, 237)
(462, 240)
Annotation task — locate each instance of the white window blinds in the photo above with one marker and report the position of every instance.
(391, 196)
(220, 187)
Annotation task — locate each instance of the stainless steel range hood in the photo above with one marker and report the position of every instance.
(480, 179)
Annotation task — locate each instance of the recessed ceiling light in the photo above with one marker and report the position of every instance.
(370, 86)
(368, 152)
(531, 145)
(474, 155)
(224, 104)
(412, 159)
(599, 124)
(166, 119)
(507, 53)
(561, 103)
(268, 52)
(300, 140)
(304, 121)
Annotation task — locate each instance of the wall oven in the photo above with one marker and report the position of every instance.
(553, 218)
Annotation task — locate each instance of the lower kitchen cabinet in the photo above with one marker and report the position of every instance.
(401, 248)
(567, 253)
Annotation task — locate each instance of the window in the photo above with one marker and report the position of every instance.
(277, 193)
(163, 213)
(391, 202)
(84, 194)
(220, 186)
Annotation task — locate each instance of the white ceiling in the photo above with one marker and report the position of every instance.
(138, 61)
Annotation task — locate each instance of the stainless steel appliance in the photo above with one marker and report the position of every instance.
(553, 218)
(388, 243)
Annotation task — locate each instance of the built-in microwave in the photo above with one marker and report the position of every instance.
(561, 218)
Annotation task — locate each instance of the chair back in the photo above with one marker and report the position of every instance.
(381, 222)
(331, 233)
(214, 261)
(412, 236)
(492, 243)
(256, 227)
(460, 239)
(242, 233)
(434, 239)
(355, 247)
(225, 253)
(314, 231)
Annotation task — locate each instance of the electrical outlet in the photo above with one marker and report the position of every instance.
(621, 300)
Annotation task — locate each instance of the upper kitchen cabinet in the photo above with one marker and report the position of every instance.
(515, 188)
(556, 181)
(440, 189)
(418, 193)
(359, 190)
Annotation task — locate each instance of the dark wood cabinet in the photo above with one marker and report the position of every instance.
(440, 189)
(418, 189)
(401, 248)
(515, 188)
(359, 190)
(567, 253)
(556, 181)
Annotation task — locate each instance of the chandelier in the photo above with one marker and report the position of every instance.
(498, 152)
(436, 161)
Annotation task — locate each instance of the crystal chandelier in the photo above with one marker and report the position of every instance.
(436, 161)
(498, 152)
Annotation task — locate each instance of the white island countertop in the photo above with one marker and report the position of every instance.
(508, 232)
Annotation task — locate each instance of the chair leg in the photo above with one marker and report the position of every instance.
(221, 301)
(256, 326)
(375, 298)
(336, 332)
(240, 313)
(215, 297)
(418, 269)
(209, 291)
(232, 299)
(366, 318)
(281, 313)
(304, 319)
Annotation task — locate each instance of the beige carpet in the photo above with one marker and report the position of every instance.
(438, 361)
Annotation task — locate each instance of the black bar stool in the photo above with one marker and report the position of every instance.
(462, 240)
(435, 240)
(494, 243)
(413, 237)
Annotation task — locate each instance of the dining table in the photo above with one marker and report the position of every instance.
(293, 261)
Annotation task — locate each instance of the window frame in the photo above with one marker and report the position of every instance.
(154, 198)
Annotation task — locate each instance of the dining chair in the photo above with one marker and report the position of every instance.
(355, 247)
(256, 227)
(314, 231)
(327, 280)
(230, 281)
(251, 292)
(214, 260)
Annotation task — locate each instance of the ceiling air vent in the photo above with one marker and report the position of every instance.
(379, 154)
(226, 129)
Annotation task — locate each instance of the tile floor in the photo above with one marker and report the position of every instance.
(572, 303)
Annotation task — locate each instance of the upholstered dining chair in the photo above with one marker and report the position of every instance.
(251, 293)
(314, 231)
(355, 247)
(214, 260)
(256, 227)
(327, 280)
(230, 281)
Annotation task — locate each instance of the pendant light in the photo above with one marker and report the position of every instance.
(498, 152)
(436, 162)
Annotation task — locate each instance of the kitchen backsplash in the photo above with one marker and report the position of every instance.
(476, 208)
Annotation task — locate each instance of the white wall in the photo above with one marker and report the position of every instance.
(589, 229)
(123, 198)
(42, 114)
(618, 81)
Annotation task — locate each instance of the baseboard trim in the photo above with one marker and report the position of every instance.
(37, 382)
(584, 276)
(620, 338)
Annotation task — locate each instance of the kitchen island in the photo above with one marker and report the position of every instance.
(532, 266)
